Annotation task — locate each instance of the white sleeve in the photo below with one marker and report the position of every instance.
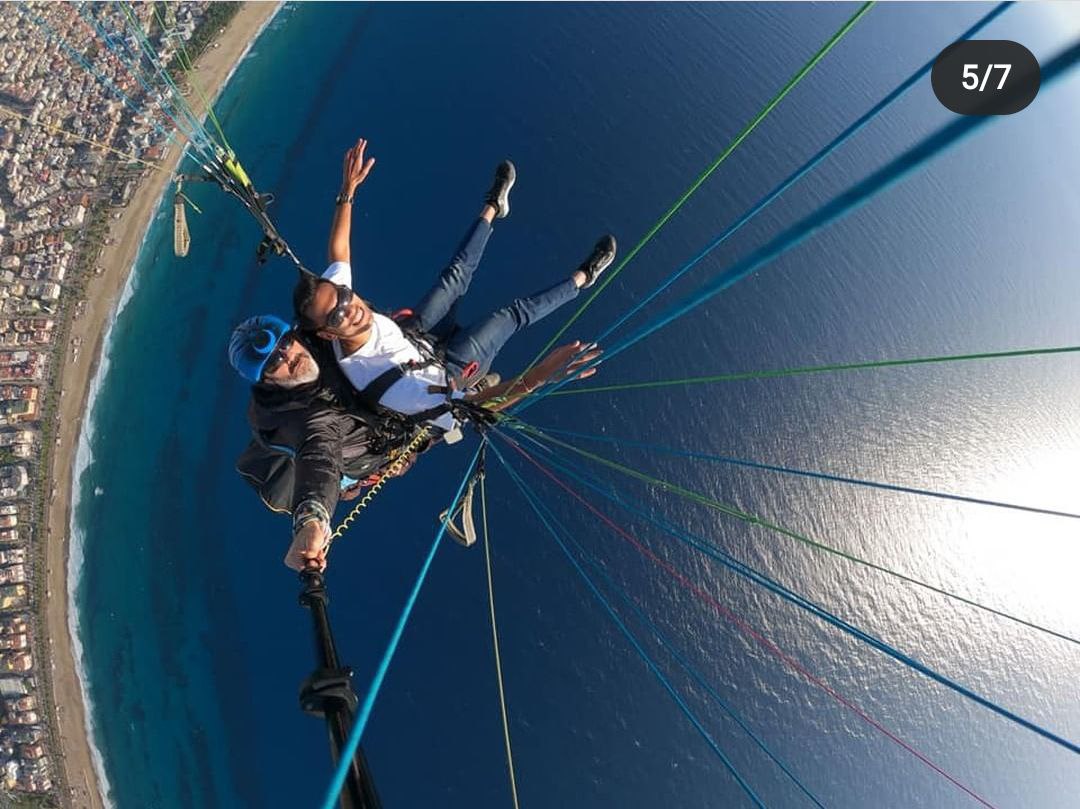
(340, 272)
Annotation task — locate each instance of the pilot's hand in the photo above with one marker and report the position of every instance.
(309, 547)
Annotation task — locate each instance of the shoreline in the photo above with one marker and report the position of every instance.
(79, 757)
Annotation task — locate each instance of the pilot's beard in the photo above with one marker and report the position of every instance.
(308, 372)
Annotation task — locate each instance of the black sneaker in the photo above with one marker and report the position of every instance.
(499, 195)
(599, 260)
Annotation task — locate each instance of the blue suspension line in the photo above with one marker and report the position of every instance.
(197, 134)
(682, 661)
(780, 590)
(147, 50)
(833, 211)
(169, 110)
(806, 168)
(805, 473)
(90, 68)
(528, 431)
(349, 751)
(653, 667)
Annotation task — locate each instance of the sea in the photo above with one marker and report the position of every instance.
(193, 644)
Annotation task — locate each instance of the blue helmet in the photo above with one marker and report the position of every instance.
(252, 343)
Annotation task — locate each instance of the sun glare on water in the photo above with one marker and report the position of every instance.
(1030, 560)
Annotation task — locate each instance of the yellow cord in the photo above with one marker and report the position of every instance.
(395, 467)
(495, 640)
(232, 165)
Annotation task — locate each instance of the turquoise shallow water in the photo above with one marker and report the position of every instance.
(194, 644)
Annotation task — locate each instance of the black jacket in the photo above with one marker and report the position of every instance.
(305, 438)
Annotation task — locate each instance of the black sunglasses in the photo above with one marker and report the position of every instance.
(339, 313)
(279, 354)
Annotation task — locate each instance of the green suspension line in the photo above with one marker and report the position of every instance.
(750, 127)
(815, 369)
(188, 67)
(753, 519)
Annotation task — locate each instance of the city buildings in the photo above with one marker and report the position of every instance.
(66, 70)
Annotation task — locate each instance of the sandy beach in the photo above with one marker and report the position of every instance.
(75, 377)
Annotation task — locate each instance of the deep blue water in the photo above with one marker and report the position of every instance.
(195, 645)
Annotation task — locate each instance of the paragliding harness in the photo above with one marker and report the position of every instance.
(432, 353)
(269, 465)
(270, 468)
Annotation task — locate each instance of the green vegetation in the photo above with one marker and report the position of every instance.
(22, 800)
(217, 17)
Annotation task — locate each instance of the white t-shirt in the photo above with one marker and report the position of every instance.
(387, 348)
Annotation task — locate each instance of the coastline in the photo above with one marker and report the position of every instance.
(79, 758)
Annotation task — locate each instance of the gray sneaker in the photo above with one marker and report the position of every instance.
(499, 195)
(599, 260)
(485, 382)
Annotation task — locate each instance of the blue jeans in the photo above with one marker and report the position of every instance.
(481, 341)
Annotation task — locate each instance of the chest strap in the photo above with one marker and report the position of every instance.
(377, 388)
(373, 392)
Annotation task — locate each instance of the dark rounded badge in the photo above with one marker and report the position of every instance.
(986, 77)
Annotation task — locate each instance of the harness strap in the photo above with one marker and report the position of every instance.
(429, 347)
(377, 388)
(431, 413)
(431, 353)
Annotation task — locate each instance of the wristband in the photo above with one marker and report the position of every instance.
(309, 511)
(343, 199)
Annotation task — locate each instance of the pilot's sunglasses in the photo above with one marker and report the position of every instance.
(339, 314)
(280, 353)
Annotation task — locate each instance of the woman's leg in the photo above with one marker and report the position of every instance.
(482, 341)
(454, 281)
